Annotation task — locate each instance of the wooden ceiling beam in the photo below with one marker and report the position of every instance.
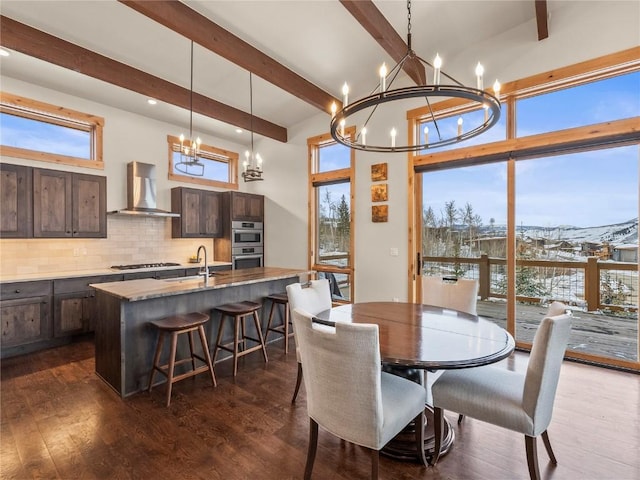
(372, 20)
(541, 19)
(187, 22)
(35, 43)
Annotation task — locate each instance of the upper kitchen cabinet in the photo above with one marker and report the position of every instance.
(200, 213)
(15, 201)
(247, 207)
(69, 204)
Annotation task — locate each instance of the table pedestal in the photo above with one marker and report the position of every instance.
(403, 445)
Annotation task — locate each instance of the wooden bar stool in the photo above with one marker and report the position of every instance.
(277, 299)
(176, 325)
(238, 312)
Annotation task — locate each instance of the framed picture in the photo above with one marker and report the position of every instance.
(379, 213)
(378, 172)
(379, 193)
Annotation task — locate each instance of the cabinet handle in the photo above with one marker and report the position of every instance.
(68, 232)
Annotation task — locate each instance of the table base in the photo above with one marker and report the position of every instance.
(403, 445)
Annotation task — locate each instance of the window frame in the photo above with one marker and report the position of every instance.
(210, 153)
(24, 107)
(343, 175)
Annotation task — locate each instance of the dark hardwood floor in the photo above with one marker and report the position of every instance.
(59, 420)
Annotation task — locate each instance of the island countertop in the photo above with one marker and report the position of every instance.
(147, 288)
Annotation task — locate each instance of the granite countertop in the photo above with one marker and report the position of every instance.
(135, 290)
(29, 277)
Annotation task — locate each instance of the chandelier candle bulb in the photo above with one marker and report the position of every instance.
(426, 135)
(479, 73)
(383, 78)
(496, 88)
(393, 137)
(460, 126)
(345, 93)
(363, 135)
(334, 109)
(437, 65)
(342, 123)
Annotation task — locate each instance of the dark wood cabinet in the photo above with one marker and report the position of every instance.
(247, 207)
(67, 204)
(75, 304)
(16, 207)
(200, 213)
(25, 313)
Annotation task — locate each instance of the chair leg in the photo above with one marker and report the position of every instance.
(237, 322)
(438, 426)
(419, 429)
(156, 359)
(375, 460)
(313, 445)
(193, 359)
(218, 338)
(286, 329)
(460, 418)
(207, 356)
(270, 321)
(298, 382)
(256, 319)
(547, 445)
(172, 365)
(532, 457)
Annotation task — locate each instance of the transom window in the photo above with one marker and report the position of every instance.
(40, 131)
(220, 166)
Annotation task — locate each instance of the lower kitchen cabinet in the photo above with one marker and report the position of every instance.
(25, 313)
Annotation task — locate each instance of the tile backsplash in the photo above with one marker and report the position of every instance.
(130, 240)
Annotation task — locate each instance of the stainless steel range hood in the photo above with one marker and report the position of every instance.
(141, 192)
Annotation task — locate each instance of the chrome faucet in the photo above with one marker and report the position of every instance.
(204, 271)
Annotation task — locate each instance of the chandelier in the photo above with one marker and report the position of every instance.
(253, 161)
(383, 94)
(189, 162)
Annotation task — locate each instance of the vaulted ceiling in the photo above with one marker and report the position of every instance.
(300, 52)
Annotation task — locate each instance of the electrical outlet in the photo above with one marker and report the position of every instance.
(393, 252)
(396, 299)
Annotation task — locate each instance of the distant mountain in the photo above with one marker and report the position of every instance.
(616, 234)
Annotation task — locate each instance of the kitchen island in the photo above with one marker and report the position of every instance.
(124, 341)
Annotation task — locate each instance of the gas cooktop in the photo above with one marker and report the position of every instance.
(144, 265)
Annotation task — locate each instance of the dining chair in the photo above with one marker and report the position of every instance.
(459, 294)
(519, 401)
(314, 298)
(349, 395)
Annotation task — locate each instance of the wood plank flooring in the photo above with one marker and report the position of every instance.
(59, 420)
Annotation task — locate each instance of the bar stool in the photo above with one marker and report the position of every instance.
(277, 299)
(176, 325)
(238, 312)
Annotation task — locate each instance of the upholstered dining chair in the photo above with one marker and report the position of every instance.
(519, 401)
(348, 394)
(459, 294)
(314, 298)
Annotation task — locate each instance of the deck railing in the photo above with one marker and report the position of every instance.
(592, 284)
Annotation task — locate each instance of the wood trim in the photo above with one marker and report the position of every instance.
(27, 105)
(541, 19)
(189, 23)
(326, 178)
(38, 44)
(372, 20)
(511, 246)
(27, 154)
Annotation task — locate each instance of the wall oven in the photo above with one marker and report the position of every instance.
(247, 257)
(246, 234)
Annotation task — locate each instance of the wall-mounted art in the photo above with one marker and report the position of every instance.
(378, 172)
(379, 192)
(379, 213)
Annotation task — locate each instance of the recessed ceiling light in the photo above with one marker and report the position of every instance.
(238, 130)
(3, 53)
(151, 101)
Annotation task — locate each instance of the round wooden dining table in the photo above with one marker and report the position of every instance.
(415, 339)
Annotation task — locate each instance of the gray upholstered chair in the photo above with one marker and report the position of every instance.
(456, 294)
(348, 394)
(519, 401)
(314, 298)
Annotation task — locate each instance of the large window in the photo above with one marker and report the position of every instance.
(219, 167)
(331, 215)
(40, 131)
(565, 226)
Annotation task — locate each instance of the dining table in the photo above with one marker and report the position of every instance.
(416, 339)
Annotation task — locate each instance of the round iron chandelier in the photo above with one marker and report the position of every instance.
(382, 94)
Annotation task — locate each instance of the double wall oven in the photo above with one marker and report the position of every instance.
(247, 244)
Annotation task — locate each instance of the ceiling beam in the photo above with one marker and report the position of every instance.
(187, 22)
(35, 43)
(541, 19)
(372, 20)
